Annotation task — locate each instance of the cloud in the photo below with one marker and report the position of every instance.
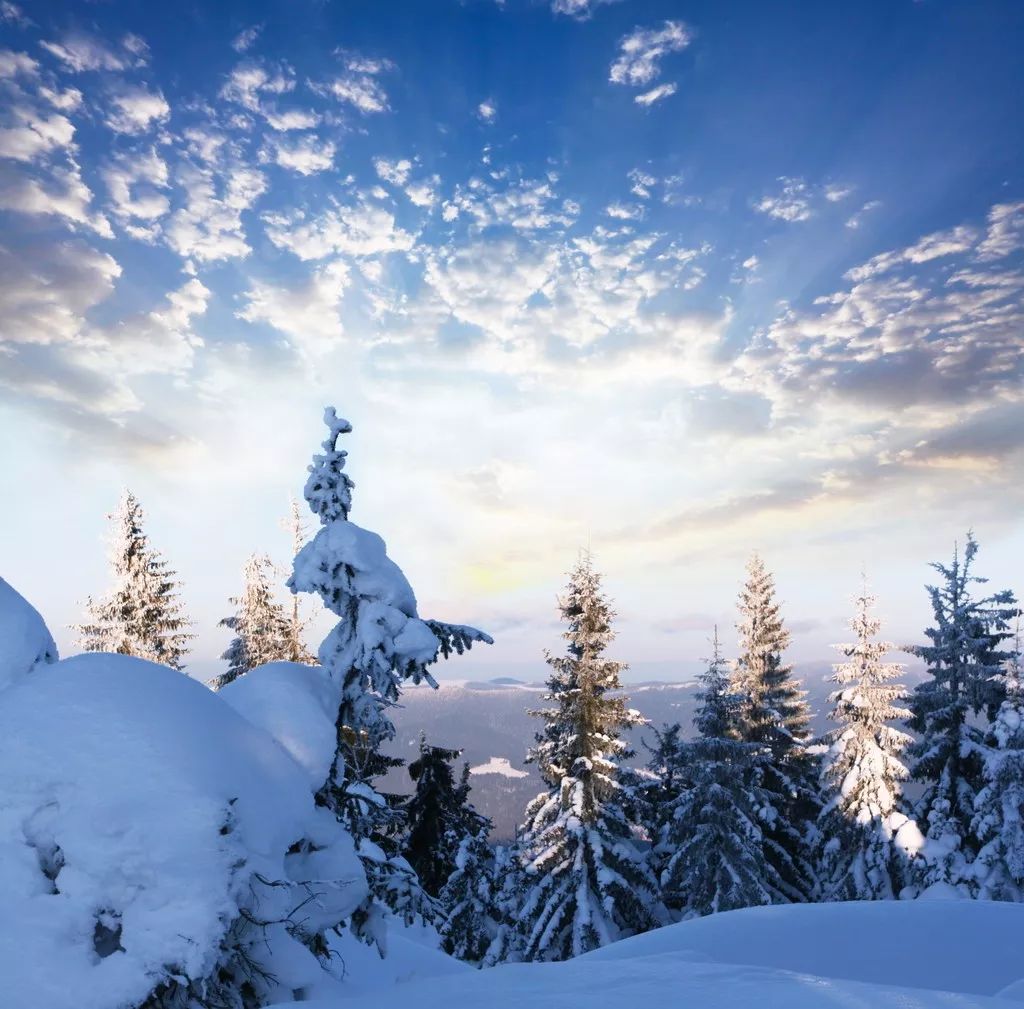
(792, 203)
(359, 84)
(487, 110)
(361, 229)
(578, 9)
(857, 219)
(934, 246)
(837, 192)
(137, 184)
(643, 49)
(250, 81)
(135, 109)
(244, 40)
(394, 172)
(60, 193)
(1005, 231)
(81, 53)
(642, 182)
(656, 94)
(305, 154)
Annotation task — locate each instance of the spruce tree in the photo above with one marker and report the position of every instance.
(507, 895)
(999, 806)
(468, 924)
(142, 614)
(776, 717)
(378, 643)
(714, 830)
(260, 625)
(585, 879)
(296, 650)
(964, 665)
(661, 782)
(438, 816)
(862, 772)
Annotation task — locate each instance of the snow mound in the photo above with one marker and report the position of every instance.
(959, 945)
(295, 704)
(140, 815)
(24, 639)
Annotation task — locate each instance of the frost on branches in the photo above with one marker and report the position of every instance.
(776, 717)
(586, 883)
(468, 925)
(714, 835)
(262, 630)
(379, 642)
(999, 806)
(862, 776)
(964, 665)
(142, 615)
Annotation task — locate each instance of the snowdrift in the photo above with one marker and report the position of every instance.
(884, 955)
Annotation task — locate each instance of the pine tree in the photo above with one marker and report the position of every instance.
(587, 882)
(862, 772)
(468, 925)
(296, 643)
(714, 830)
(508, 891)
(661, 782)
(142, 614)
(964, 663)
(260, 625)
(439, 816)
(378, 643)
(775, 716)
(999, 806)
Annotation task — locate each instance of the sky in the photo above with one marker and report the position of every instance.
(671, 281)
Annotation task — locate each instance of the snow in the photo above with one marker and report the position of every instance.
(25, 641)
(297, 705)
(867, 955)
(499, 765)
(138, 808)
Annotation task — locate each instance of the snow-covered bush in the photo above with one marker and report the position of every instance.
(157, 848)
(25, 641)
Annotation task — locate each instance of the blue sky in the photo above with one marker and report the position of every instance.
(679, 281)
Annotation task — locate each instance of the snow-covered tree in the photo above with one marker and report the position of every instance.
(714, 830)
(660, 783)
(999, 806)
(862, 771)
(297, 651)
(587, 881)
(259, 622)
(507, 894)
(468, 924)
(964, 663)
(776, 717)
(379, 642)
(142, 614)
(438, 816)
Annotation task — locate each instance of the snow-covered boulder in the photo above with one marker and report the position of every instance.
(151, 837)
(25, 641)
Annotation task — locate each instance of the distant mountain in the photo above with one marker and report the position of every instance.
(490, 722)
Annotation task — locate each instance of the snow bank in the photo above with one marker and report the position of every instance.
(24, 638)
(138, 809)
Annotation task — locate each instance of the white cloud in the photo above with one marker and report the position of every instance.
(291, 119)
(642, 50)
(359, 86)
(933, 246)
(137, 183)
(792, 203)
(641, 183)
(363, 229)
(249, 81)
(34, 134)
(487, 110)
(624, 212)
(857, 219)
(13, 64)
(394, 172)
(305, 154)
(656, 94)
(80, 52)
(836, 192)
(1005, 231)
(135, 109)
(243, 41)
(60, 193)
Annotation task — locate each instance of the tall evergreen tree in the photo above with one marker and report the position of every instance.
(999, 806)
(439, 816)
(862, 773)
(714, 832)
(260, 625)
(379, 642)
(964, 664)
(586, 881)
(775, 716)
(468, 923)
(142, 614)
(296, 649)
(661, 782)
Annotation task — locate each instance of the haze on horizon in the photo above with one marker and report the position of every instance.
(618, 274)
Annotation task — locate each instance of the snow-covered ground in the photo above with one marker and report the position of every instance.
(499, 765)
(885, 955)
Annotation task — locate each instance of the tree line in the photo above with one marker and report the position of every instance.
(751, 810)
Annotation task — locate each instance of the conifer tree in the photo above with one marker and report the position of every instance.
(714, 831)
(776, 717)
(379, 642)
(964, 665)
(260, 625)
(999, 806)
(296, 650)
(439, 816)
(862, 772)
(661, 782)
(507, 895)
(585, 879)
(142, 614)
(468, 925)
